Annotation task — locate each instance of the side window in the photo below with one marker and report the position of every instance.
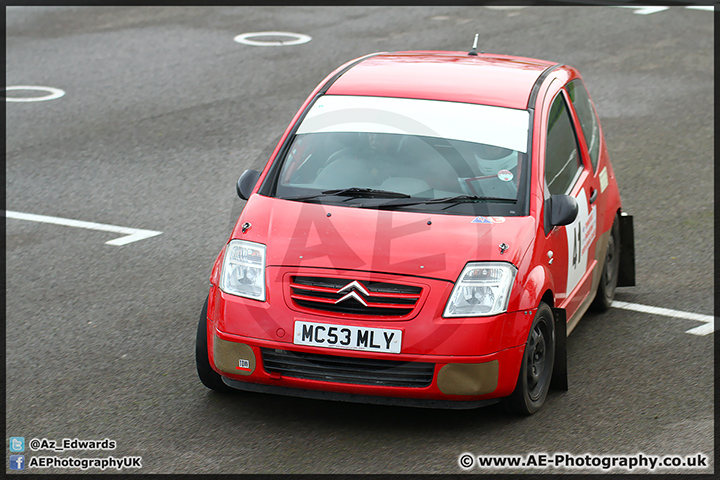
(562, 162)
(588, 120)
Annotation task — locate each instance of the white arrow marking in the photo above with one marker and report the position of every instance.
(708, 320)
(133, 234)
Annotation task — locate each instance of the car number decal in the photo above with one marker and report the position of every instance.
(347, 337)
(580, 235)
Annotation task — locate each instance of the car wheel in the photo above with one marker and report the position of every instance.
(209, 377)
(611, 270)
(536, 369)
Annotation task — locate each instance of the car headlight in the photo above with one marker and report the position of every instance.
(482, 289)
(243, 270)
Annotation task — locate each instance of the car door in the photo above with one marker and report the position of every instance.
(573, 245)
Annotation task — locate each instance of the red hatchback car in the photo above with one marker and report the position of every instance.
(427, 232)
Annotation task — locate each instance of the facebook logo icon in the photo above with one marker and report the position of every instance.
(17, 444)
(17, 462)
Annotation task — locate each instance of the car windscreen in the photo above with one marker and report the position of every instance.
(411, 154)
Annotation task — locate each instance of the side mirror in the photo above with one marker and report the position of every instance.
(246, 183)
(560, 210)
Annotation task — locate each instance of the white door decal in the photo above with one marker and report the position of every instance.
(580, 235)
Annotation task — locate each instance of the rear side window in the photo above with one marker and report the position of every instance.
(588, 120)
(562, 162)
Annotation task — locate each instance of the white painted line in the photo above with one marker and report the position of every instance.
(708, 320)
(299, 39)
(133, 234)
(54, 93)
(645, 10)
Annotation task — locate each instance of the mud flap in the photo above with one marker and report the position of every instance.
(559, 379)
(626, 274)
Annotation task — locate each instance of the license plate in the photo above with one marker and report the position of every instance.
(347, 337)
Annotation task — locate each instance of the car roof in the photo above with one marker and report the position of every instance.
(488, 79)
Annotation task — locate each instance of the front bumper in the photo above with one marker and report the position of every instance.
(252, 364)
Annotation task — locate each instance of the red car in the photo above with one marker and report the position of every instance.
(427, 232)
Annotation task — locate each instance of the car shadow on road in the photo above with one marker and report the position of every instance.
(280, 409)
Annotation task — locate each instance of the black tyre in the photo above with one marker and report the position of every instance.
(537, 365)
(209, 377)
(611, 270)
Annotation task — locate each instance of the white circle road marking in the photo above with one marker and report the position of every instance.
(54, 93)
(299, 38)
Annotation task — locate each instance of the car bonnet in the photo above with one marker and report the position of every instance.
(300, 234)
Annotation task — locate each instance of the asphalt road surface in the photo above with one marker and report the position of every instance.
(162, 111)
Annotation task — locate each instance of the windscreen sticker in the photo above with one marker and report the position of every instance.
(498, 126)
(488, 220)
(505, 175)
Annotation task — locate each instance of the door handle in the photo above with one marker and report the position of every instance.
(593, 195)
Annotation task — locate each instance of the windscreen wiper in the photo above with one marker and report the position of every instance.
(353, 192)
(451, 200)
(365, 193)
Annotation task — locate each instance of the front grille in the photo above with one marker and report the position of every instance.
(360, 371)
(340, 295)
